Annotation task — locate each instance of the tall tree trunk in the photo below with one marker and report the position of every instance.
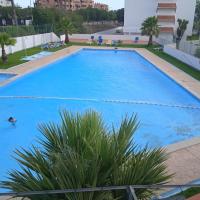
(66, 37)
(60, 4)
(150, 40)
(4, 55)
(14, 13)
(178, 43)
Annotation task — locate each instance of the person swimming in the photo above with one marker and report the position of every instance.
(12, 120)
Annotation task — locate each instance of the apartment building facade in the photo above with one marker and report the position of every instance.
(5, 3)
(69, 4)
(101, 6)
(167, 11)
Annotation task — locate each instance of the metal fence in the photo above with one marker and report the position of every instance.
(161, 192)
(191, 47)
(25, 30)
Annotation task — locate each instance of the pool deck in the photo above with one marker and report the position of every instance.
(184, 157)
(184, 161)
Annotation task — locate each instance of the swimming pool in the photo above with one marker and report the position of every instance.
(112, 82)
(4, 76)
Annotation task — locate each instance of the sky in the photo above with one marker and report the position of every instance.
(113, 4)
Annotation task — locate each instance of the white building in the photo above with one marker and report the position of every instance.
(167, 11)
(5, 3)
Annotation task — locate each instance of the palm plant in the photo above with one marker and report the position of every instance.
(182, 27)
(65, 26)
(5, 39)
(151, 28)
(82, 152)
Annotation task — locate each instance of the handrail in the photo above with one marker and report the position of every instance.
(96, 189)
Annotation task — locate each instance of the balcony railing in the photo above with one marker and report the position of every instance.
(166, 18)
(166, 29)
(167, 6)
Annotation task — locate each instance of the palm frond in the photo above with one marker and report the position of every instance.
(82, 152)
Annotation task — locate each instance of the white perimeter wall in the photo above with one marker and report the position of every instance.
(182, 56)
(30, 41)
(105, 37)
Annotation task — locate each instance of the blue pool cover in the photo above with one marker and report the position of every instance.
(114, 83)
(37, 56)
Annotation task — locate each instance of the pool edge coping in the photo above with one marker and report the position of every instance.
(171, 148)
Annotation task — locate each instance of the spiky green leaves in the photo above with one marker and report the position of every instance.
(150, 28)
(83, 152)
(5, 39)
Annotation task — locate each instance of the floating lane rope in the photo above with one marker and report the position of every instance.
(104, 100)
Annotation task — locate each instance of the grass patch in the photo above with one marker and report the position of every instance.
(188, 193)
(15, 58)
(193, 37)
(191, 192)
(177, 63)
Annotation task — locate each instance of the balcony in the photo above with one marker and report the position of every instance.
(166, 29)
(167, 6)
(166, 18)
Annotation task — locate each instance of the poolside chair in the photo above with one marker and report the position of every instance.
(100, 40)
(115, 43)
(160, 48)
(45, 46)
(136, 40)
(92, 37)
(89, 42)
(109, 42)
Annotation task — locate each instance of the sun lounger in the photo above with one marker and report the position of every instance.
(109, 42)
(100, 40)
(89, 42)
(136, 40)
(45, 46)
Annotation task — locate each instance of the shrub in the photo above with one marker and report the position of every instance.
(82, 152)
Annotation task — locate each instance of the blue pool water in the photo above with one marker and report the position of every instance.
(4, 76)
(90, 77)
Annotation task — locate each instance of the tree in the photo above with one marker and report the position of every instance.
(82, 152)
(197, 26)
(120, 15)
(14, 12)
(5, 39)
(197, 18)
(151, 28)
(65, 26)
(182, 27)
(197, 11)
(43, 16)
